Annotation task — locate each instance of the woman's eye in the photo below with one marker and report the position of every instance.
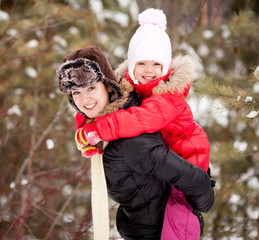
(75, 93)
(91, 89)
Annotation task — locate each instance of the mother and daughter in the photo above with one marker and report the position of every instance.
(141, 110)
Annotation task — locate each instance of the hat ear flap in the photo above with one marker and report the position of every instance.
(115, 92)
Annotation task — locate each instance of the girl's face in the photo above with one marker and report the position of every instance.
(147, 71)
(91, 100)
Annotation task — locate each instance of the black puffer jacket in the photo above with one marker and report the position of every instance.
(139, 172)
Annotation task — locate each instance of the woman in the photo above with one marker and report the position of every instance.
(139, 171)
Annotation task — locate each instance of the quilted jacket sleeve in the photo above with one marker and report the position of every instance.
(153, 115)
(148, 154)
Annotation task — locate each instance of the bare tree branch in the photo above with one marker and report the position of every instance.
(62, 211)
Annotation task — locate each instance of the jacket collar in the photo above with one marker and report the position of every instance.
(179, 80)
(145, 90)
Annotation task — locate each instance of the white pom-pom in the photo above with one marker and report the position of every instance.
(153, 16)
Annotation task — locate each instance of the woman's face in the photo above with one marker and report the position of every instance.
(91, 100)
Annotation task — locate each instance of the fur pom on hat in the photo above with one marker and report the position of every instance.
(153, 16)
(87, 66)
(150, 42)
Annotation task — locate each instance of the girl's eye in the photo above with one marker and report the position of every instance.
(141, 63)
(157, 64)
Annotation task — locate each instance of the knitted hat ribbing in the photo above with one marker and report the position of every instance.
(150, 42)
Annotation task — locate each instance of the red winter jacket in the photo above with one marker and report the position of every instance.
(164, 108)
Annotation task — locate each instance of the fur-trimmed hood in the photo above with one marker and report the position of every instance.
(183, 69)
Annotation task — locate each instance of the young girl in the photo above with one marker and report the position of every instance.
(139, 171)
(164, 84)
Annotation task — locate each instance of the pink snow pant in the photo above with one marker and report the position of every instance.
(179, 221)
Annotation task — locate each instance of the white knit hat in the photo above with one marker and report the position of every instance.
(150, 42)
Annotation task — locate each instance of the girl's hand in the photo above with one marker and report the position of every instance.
(84, 146)
(91, 134)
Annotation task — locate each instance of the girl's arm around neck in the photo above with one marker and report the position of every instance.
(156, 112)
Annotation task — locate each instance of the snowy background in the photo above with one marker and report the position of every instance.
(45, 184)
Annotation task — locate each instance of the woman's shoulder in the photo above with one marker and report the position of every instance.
(133, 100)
(139, 144)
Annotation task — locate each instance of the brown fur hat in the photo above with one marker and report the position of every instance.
(94, 54)
(86, 66)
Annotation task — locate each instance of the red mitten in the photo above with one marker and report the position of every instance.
(90, 151)
(90, 127)
(80, 139)
(93, 137)
(91, 134)
(86, 149)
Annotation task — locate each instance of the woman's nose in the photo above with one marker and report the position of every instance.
(86, 99)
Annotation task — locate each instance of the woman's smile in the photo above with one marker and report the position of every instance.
(90, 106)
(91, 100)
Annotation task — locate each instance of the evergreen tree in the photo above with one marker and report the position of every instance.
(45, 183)
(230, 56)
